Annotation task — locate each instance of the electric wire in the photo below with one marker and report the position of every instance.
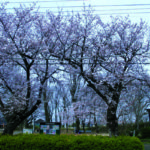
(108, 11)
(78, 11)
(116, 5)
(46, 7)
(104, 14)
(66, 63)
(104, 6)
(42, 1)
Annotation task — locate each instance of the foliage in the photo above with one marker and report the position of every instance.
(133, 104)
(128, 128)
(145, 132)
(69, 142)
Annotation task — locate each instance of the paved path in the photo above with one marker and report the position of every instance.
(147, 146)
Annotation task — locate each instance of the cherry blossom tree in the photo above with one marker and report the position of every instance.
(22, 47)
(133, 104)
(90, 108)
(109, 56)
(74, 90)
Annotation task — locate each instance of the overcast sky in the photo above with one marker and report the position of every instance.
(135, 8)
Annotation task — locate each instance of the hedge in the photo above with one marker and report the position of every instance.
(69, 142)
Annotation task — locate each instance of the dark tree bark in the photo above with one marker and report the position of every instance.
(46, 107)
(47, 115)
(95, 123)
(77, 124)
(112, 120)
(18, 119)
(67, 127)
(73, 90)
(83, 125)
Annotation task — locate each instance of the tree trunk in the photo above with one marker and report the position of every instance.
(26, 124)
(12, 125)
(16, 119)
(60, 119)
(47, 115)
(95, 123)
(55, 114)
(10, 128)
(51, 118)
(83, 125)
(67, 127)
(89, 123)
(77, 124)
(46, 107)
(137, 122)
(112, 120)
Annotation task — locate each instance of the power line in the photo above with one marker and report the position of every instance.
(123, 13)
(109, 13)
(65, 63)
(122, 5)
(41, 1)
(17, 58)
(111, 10)
(104, 14)
(75, 59)
(87, 6)
(117, 5)
(108, 10)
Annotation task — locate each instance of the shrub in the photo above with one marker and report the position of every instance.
(68, 142)
(128, 128)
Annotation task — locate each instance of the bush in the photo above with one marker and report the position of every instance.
(127, 129)
(68, 142)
